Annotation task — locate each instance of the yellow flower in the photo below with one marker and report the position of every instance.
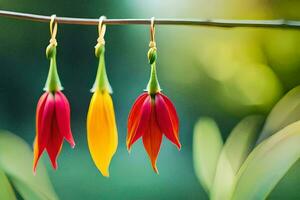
(102, 133)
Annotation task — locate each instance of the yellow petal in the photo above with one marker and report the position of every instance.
(102, 133)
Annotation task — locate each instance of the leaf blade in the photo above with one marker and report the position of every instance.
(7, 191)
(268, 163)
(236, 149)
(285, 112)
(19, 168)
(207, 145)
(242, 139)
(26, 191)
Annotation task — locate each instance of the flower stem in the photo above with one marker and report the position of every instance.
(101, 82)
(153, 84)
(53, 82)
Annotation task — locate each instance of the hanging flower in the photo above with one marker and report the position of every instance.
(152, 116)
(102, 133)
(52, 116)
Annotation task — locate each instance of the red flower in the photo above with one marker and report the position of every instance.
(52, 126)
(150, 117)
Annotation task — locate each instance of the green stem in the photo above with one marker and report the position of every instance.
(101, 82)
(153, 84)
(53, 83)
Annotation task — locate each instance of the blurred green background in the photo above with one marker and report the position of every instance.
(223, 73)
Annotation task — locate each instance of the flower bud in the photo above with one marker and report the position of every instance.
(51, 50)
(99, 49)
(152, 55)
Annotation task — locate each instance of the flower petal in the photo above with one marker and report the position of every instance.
(134, 116)
(152, 139)
(37, 152)
(44, 122)
(172, 112)
(136, 110)
(55, 142)
(141, 123)
(167, 118)
(102, 133)
(62, 110)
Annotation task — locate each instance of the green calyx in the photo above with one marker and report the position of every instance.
(101, 82)
(53, 83)
(153, 84)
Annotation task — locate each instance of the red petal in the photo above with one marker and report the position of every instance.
(135, 111)
(39, 113)
(167, 118)
(62, 110)
(152, 139)
(46, 121)
(54, 143)
(172, 111)
(141, 122)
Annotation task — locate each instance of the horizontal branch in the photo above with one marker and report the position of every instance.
(279, 23)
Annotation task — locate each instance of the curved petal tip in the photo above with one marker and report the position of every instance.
(104, 171)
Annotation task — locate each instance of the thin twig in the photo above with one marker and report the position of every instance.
(278, 23)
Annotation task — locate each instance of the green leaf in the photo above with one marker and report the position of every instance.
(224, 179)
(16, 161)
(268, 163)
(288, 187)
(27, 191)
(285, 112)
(207, 145)
(236, 149)
(241, 140)
(6, 191)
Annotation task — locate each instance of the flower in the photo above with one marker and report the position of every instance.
(102, 132)
(52, 116)
(152, 116)
(52, 126)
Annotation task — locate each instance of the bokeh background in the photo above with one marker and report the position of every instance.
(222, 73)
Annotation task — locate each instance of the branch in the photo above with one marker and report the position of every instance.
(278, 23)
